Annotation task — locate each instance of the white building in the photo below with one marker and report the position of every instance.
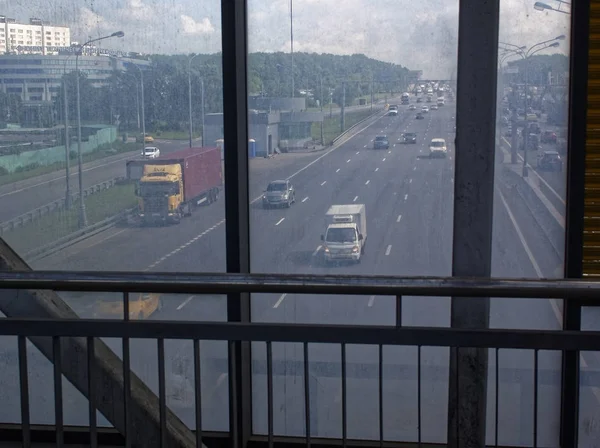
(34, 37)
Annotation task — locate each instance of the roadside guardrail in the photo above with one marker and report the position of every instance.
(355, 125)
(57, 205)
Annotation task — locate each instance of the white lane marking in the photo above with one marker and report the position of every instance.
(389, 152)
(371, 300)
(183, 246)
(388, 250)
(185, 302)
(316, 251)
(357, 152)
(414, 168)
(337, 171)
(399, 218)
(365, 146)
(279, 301)
(305, 199)
(323, 183)
(410, 181)
(355, 198)
(367, 182)
(348, 161)
(383, 160)
(405, 197)
(376, 169)
(280, 221)
(323, 155)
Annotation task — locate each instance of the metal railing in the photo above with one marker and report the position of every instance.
(377, 336)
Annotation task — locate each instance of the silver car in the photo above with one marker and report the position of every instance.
(279, 193)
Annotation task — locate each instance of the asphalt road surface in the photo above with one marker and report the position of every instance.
(409, 206)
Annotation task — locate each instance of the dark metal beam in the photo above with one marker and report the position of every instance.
(473, 211)
(578, 82)
(234, 34)
(213, 283)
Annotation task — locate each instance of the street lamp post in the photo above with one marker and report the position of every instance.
(292, 45)
(190, 101)
(143, 107)
(67, 140)
(526, 55)
(82, 214)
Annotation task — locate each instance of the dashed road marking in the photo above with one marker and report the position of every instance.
(399, 218)
(337, 171)
(414, 168)
(183, 246)
(185, 302)
(389, 152)
(371, 301)
(281, 298)
(305, 199)
(323, 183)
(314, 254)
(348, 161)
(383, 160)
(280, 221)
(405, 197)
(388, 250)
(355, 198)
(410, 181)
(357, 152)
(367, 182)
(376, 169)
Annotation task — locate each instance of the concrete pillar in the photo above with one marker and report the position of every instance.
(473, 211)
(143, 404)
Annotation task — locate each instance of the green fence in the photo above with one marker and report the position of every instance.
(103, 135)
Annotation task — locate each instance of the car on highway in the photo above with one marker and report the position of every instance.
(410, 137)
(141, 139)
(549, 137)
(420, 116)
(392, 113)
(549, 161)
(419, 100)
(141, 306)
(437, 148)
(381, 142)
(279, 193)
(434, 107)
(425, 109)
(151, 152)
(393, 107)
(412, 107)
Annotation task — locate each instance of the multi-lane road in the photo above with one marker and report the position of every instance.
(409, 206)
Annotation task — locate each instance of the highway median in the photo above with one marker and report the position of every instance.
(63, 225)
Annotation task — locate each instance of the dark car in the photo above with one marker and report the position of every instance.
(534, 128)
(550, 161)
(381, 142)
(548, 137)
(279, 193)
(420, 116)
(410, 137)
(419, 100)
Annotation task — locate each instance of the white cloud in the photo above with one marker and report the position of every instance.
(191, 26)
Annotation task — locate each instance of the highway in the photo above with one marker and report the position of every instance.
(24, 196)
(409, 206)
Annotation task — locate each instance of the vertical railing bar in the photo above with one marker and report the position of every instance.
(535, 397)
(380, 402)
(306, 395)
(162, 396)
(419, 396)
(497, 417)
(457, 417)
(126, 375)
(398, 311)
(198, 392)
(91, 355)
(24, 386)
(270, 392)
(344, 416)
(58, 399)
(234, 423)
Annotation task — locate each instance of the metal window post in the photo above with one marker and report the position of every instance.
(473, 211)
(237, 213)
(67, 147)
(579, 53)
(82, 214)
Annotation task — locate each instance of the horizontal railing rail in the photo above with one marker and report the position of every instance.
(219, 283)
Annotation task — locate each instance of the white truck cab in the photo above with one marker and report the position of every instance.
(345, 232)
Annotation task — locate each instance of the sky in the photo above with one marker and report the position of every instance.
(418, 34)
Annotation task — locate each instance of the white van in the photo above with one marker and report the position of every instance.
(437, 148)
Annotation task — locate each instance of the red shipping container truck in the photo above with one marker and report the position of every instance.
(170, 186)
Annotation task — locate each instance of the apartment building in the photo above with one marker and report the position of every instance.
(35, 37)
